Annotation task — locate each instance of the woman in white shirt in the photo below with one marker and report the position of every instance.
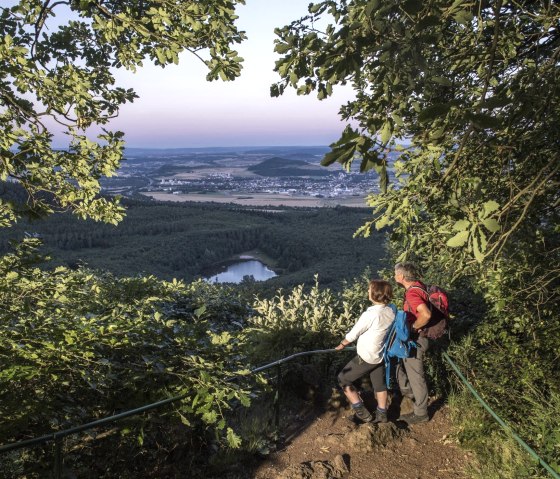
(370, 331)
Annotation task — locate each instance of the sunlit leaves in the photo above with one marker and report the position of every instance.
(66, 73)
(459, 239)
(468, 87)
(233, 439)
(101, 341)
(316, 311)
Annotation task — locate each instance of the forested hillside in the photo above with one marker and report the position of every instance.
(284, 167)
(179, 240)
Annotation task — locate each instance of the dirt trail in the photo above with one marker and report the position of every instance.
(329, 445)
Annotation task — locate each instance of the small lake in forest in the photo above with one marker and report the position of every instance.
(235, 272)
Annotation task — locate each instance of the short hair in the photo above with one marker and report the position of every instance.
(380, 291)
(408, 270)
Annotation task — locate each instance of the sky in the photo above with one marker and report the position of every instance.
(179, 108)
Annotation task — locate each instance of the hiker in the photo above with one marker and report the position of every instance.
(370, 331)
(410, 372)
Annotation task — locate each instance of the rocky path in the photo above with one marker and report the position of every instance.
(329, 445)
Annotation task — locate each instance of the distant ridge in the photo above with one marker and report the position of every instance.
(278, 166)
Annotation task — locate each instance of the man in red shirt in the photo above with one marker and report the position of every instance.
(410, 373)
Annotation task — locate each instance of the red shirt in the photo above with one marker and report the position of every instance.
(414, 297)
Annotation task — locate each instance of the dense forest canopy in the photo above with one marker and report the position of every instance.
(184, 240)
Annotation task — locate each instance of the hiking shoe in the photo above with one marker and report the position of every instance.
(380, 416)
(414, 419)
(362, 413)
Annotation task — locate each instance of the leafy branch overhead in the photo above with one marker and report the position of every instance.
(465, 93)
(59, 72)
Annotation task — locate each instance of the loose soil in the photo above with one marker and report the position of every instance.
(318, 442)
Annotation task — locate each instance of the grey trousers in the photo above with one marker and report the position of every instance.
(411, 379)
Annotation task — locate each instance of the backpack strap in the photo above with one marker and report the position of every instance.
(435, 311)
(386, 358)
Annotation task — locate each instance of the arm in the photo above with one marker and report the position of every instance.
(423, 315)
(342, 345)
(359, 328)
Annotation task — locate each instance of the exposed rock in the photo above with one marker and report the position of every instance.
(369, 436)
(335, 469)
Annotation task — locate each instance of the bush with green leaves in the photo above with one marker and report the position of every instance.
(79, 345)
(306, 318)
(498, 455)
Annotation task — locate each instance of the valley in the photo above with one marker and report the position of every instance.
(272, 176)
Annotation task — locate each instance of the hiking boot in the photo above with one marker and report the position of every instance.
(380, 416)
(362, 413)
(414, 419)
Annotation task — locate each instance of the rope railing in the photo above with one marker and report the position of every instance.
(499, 420)
(58, 436)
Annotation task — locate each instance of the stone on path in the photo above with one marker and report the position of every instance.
(335, 469)
(367, 437)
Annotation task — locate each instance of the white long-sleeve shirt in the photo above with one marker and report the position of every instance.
(370, 331)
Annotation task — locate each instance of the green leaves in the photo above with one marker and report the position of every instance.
(412, 7)
(458, 240)
(386, 133)
(491, 225)
(233, 439)
(65, 73)
(489, 207)
(102, 340)
(470, 232)
(434, 111)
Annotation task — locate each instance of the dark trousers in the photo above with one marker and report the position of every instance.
(357, 368)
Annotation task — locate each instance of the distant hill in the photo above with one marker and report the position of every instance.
(314, 154)
(170, 170)
(283, 167)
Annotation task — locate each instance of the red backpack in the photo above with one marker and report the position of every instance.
(439, 306)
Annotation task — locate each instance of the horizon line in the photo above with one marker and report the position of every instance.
(222, 147)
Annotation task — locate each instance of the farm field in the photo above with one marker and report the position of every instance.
(260, 199)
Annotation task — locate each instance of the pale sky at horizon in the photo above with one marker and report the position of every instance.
(179, 108)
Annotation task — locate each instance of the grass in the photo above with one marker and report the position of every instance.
(497, 454)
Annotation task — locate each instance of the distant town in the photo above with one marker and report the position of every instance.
(259, 176)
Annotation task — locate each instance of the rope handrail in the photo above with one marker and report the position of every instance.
(57, 436)
(498, 419)
(133, 412)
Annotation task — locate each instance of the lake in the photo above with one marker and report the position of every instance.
(234, 272)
